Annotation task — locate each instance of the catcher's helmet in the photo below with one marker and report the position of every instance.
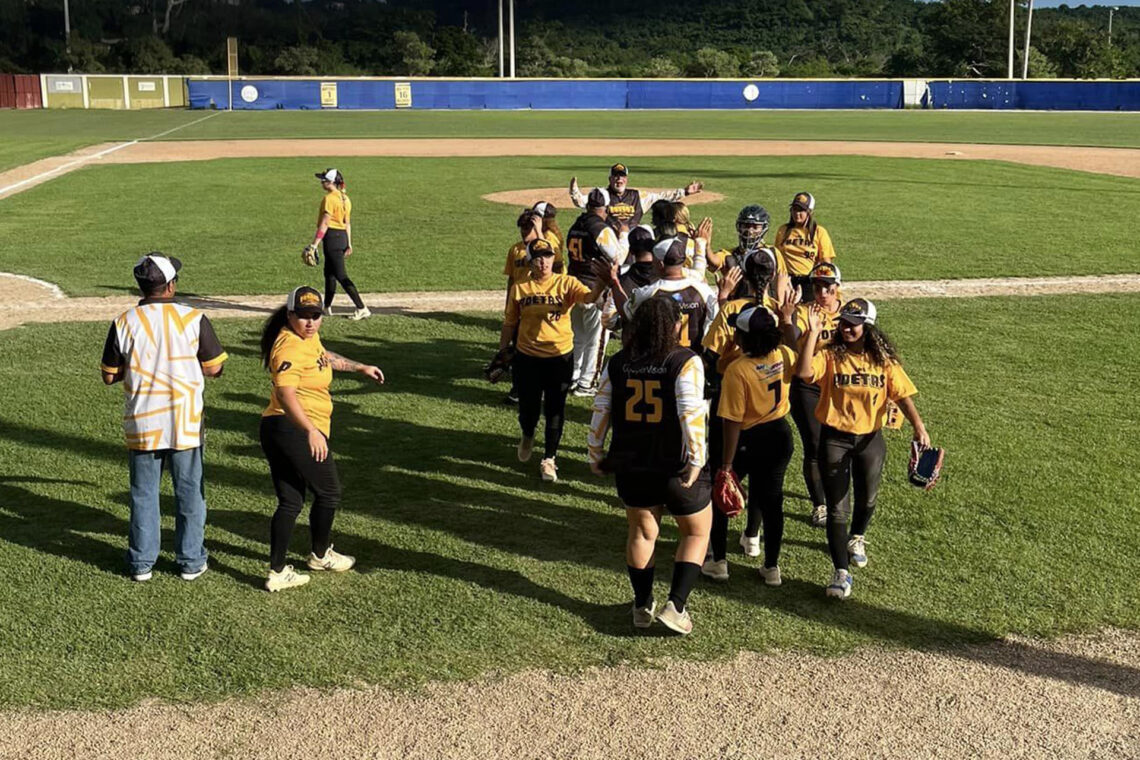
(751, 215)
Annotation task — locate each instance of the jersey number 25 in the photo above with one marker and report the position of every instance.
(644, 393)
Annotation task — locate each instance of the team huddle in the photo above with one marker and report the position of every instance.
(718, 348)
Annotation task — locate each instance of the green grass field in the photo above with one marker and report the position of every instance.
(29, 135)
(421, 224)
(469, 565)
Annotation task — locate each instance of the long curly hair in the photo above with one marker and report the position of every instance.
(759, 343)
(269, 332)
(877, 346)
(653, 331)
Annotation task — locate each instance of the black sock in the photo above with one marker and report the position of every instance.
(642, 581)
(685, 574)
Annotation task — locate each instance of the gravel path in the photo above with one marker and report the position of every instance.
(1072, 698)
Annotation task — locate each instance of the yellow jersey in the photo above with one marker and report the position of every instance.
(541, 311)
(721, 336)
(853, 391)
(339, 208)
(799, 252)
(755, 388)
(301, 363)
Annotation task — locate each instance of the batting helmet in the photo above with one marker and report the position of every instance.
(751, 215)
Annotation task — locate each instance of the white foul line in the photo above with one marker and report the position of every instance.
(100, 154)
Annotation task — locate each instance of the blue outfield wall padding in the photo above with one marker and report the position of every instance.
(768, 94)
(1044, 96)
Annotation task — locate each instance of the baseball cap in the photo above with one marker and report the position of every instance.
(826, 271)
(539, 247)
(670, 251)
(305, 300)
(806, 201)
(641, 239)
(620, 170)
(330, 175)
(858, 311)
(599, 197)
(156, 269)
(756, 319)
(546, 208)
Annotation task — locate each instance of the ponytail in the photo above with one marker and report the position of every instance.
(277, 321)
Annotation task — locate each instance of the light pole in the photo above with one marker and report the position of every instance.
(1111, 11)
(1012, 3)
(500, 39)
(512, 39)
(1028, 29)
(67, 26)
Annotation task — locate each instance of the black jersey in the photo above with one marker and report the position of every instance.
(625, 207)
(582, 246)
(647, 435)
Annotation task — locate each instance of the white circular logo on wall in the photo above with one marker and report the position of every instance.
(249, 93)
(751, 92)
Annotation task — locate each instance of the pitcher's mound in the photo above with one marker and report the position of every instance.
(17, 290)
(560, 196)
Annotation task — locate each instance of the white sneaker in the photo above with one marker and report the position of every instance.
(361, 313)
(585, 390)
(718, 571)
(194, 575)
(142, 577)
(771, 576)
(328, 311)
(643, 617)
(840, 586)
(287, 578)
(678, 622)
(549, 470)
(333, 561)
(526, 446)
(819, 516)
(857, 551)
(750, 545)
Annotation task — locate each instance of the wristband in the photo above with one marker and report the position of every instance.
(320, 235)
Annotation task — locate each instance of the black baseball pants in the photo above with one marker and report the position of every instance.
(335, 244)
(849, 459)
(805, 398)
(543, 383)
(294, 471)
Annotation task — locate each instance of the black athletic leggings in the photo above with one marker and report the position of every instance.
(336, 241)
(805, 398)
(762, 455)
(543, 383)
(294, 470)
(848, 458)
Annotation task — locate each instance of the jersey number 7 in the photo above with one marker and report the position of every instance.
(644, 391)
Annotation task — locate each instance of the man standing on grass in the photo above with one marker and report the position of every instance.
(162, 351)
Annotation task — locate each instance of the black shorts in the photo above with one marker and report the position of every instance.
(644, 489)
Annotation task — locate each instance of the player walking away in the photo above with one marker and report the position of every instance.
(644, 270)
(334, 227)
(803, 242)
(857, 375)
(295, 429)
(697, 301)
(161, 351)
(757, 439)
(537, 313)
(652, 393)
(825, 280)
(591, 239)
(751, 227)
(627, 205)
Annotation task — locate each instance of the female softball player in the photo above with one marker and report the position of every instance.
(652, 393)
(857, 375)
(295, 433)
(334, 227)
(757, 439)
(825, 280)
(537, 311)
(803, 242)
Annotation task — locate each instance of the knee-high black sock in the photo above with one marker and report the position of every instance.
(642, 581)
(320, 524)
(685, 575)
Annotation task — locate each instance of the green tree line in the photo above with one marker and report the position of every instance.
(589, 38)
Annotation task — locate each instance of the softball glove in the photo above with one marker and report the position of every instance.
(310, 256)
(925, 465)
(728, 496)
(499, 365)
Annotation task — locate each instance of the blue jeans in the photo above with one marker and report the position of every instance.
(190, 505)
